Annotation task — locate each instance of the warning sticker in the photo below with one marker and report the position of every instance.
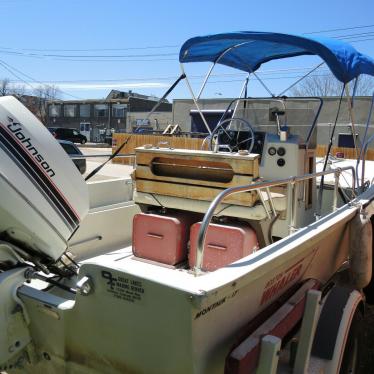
(123, 288)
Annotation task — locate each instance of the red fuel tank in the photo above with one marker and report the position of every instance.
(162, 238)
(224, 244)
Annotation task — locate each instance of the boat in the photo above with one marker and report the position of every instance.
(214, 250)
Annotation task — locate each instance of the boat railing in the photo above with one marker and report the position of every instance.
(291, 184)
(362, 159)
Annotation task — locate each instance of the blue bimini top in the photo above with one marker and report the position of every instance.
(247, 50)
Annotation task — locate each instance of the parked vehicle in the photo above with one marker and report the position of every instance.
(71, 135)
(52, 129)
(72, 150)
(85, 129)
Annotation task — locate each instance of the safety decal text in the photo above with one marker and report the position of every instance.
(123, 288)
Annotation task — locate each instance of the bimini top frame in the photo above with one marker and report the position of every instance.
(248, 50)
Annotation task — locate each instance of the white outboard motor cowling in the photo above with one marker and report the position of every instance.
(43, 197)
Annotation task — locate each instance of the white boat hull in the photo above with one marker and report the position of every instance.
(187, 324)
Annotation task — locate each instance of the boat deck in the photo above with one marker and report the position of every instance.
(283, 251)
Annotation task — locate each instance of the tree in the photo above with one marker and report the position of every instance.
(7, 88)
(37, 101)
(4, 84)
(328, 85)
(47, 92)
(43, 94)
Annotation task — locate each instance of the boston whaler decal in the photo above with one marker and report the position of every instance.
(278, 283)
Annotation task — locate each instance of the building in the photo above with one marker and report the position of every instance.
(120, 111)
(184, 114)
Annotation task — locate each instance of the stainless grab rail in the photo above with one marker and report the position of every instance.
(363, 160)
(291, 181)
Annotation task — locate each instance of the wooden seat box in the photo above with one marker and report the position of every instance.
(196, 175)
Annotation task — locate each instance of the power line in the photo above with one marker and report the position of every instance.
(105, 57)
(110, 56)
(341, 29)
(168, 78)
(157, 46)
(270, 78)
(266, 78)
(93, 49)
(15, 75)
(11, 70)
(102, 58)
(361, 40)
(349, 36)
(356, 37)
(353, 41)
(86, 56)
(119, 60)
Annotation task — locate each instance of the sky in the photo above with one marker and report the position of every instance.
(88, 47)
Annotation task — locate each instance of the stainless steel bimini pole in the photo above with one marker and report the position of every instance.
(195, 100)
(214, 64)
(244, 87)
(299, 80)
(205, 80)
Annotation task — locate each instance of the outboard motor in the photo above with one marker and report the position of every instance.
(43, 197)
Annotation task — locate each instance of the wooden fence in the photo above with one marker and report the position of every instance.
(184, 142)
(136, 140)
(349, 153)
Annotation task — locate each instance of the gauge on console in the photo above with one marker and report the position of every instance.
(272, 151)
(281, 151)
(281, 162)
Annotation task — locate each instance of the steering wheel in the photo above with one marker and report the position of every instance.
(233, 140)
